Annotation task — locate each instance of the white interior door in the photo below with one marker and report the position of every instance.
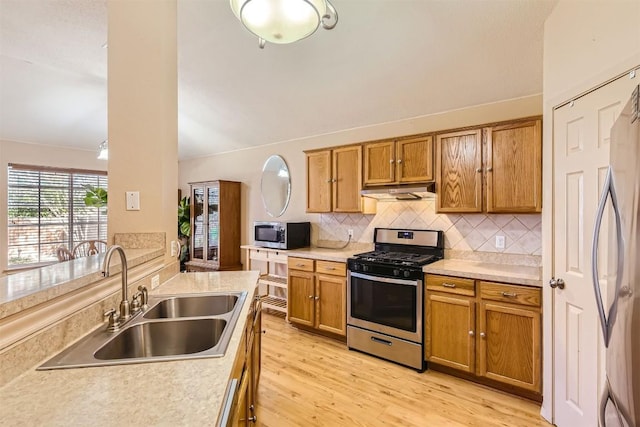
(581, 154)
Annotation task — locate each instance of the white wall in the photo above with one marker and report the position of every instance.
(246, 166)
(585, 43)
(38, 155)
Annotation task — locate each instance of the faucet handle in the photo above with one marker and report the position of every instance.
(135, 302)
(145, 296)
(114, 320)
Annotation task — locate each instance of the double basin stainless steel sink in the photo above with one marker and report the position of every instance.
(174, 327)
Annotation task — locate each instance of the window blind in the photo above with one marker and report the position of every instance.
(46, 210)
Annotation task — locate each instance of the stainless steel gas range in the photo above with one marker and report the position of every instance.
(385, 301)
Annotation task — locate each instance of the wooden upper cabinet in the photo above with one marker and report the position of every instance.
(347, 172)
(319, 181)
(398, 161)
(505, 176)
(379, 163)
(459, 171)
(334, 180)
(414, 159)
(514, 167)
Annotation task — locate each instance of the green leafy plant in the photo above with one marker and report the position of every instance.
(95, 196)
(184, 229)
(184, 223)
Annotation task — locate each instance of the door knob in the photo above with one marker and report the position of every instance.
(556, 283)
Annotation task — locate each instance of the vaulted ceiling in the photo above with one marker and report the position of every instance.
(386, 60)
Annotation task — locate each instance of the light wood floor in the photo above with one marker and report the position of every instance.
(309, 380)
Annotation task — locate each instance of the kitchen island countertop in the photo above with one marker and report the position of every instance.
(186, 392)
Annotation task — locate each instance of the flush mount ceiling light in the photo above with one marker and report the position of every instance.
(103, 150)
(284, 21)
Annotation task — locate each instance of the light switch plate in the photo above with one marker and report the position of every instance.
(500, 241)
(133, 200)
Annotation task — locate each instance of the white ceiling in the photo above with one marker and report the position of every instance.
(386, 60)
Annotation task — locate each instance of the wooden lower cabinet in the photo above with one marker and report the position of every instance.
(246, 373)
(490, 331)
(317, 295)
(450, 322)
(301, 303)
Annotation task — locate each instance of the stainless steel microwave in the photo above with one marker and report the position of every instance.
(281, 235)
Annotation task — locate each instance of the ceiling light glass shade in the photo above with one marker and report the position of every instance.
(103, 150)
(284, 21)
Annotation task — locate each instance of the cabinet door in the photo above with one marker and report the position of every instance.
(198, 223)
(331, 307)
(414, 159)
(212, 212)
(347, 170)
(459, 171)
(509, 344)
(241, 412)
(514, 167)
(379, 163)
(301, 303)
(450, 331)
(319, 181)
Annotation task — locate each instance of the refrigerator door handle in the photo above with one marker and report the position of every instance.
(606, 322)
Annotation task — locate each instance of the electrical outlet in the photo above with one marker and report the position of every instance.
(350, 232)
(155, 281)
(500, 241)
(173, 248)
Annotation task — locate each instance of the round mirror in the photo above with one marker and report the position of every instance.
(275, 186)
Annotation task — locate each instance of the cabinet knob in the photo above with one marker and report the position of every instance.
(449, 285)
(252, 419)
(479, 170)
(483, 335)
(316, 298)
(310, 296)
(391, 161)
(471, 333)
(489, 169)
(399, 160)
(509, 294)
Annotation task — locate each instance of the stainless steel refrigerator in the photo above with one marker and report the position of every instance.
(620, 312)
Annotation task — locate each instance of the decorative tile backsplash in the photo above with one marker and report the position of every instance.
(463, 232)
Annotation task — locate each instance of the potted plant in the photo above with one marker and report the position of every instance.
(184, 229)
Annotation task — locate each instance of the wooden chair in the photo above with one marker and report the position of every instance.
(89, 247)
(64, 254)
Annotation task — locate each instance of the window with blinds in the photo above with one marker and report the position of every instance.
(46, 209)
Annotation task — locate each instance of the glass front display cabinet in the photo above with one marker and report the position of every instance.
(215, 226)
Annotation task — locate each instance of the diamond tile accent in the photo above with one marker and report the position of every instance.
(463, 232)
(515, 229)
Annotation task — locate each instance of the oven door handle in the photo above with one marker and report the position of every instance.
(385, 279)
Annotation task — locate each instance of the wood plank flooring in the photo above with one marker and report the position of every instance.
(310, 380)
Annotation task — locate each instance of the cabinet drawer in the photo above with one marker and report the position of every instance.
(258, 254)
(511, 293)
(451, 285)
(302, 264)
(278, 256)
(330, 267)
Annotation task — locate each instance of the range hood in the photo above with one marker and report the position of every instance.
(401, 192)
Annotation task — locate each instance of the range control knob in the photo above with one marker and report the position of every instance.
(355, 267)
(365, 268)
(407, 273)
(396, 272)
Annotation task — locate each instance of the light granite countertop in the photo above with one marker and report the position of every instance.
(24, 290)
(516, 274)
(187, 392)
(323, 254)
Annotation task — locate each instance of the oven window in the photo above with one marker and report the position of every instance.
(384, 303)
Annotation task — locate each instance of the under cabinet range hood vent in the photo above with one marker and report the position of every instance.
(402, 193)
